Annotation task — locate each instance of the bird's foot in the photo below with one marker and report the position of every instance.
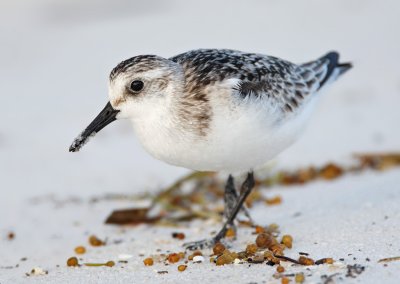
(247, 186)
(204, 244)
(199, 245)
(207, 243)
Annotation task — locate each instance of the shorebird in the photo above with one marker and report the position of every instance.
(215, 110)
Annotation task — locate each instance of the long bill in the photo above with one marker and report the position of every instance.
(105, 117)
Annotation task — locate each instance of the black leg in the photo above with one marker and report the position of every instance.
(230, 200)
(245, 190)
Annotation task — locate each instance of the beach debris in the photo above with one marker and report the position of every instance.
(10, 236)
(265, 240)
(327, 260)
(182, 267)
(198, 258)
(131, 216)
(72, 261)
(299, 278)
(285, 280)
(37, 271)
(179, 236)
(218, 248)
(389, 259)
(306, 261)
(80, 250)
(195, 253)
(173, 257)
(95, 241)
(109, 263)
(230, 233)
(354, 270)
(148, 261)
(287, 240)
(274, 200)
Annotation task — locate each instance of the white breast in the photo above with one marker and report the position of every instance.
(242, 135)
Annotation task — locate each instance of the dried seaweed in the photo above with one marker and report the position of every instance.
(131, 217)
(203, 195)
(389, 259)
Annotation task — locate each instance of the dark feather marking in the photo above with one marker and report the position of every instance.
(246, 88)
(311, 83)
(195, 110)
(142, 63)
(289, 84)
(306, 74)
(299, 85)
(288, 108)
(299, 94)
(260, 75)
(209, 66)
(294, 102)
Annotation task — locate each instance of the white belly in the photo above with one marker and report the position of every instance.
(239, 139)
(243, 144)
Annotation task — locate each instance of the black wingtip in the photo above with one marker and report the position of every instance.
(333, 56)
(333, 63)
(344, 67)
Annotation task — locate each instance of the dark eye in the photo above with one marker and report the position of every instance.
(137, 86)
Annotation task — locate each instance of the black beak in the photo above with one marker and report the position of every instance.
(105, 117)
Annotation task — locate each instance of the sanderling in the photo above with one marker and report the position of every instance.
(215, 110)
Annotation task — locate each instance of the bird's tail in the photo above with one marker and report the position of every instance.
(334, 69)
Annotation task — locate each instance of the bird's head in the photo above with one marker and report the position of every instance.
(137, 87)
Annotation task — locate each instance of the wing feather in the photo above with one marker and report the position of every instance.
(282, 82)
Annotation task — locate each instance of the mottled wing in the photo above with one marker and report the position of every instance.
(290, 88)
(282, 82)
(204, 67)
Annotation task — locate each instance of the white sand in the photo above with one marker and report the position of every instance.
(55, 58)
